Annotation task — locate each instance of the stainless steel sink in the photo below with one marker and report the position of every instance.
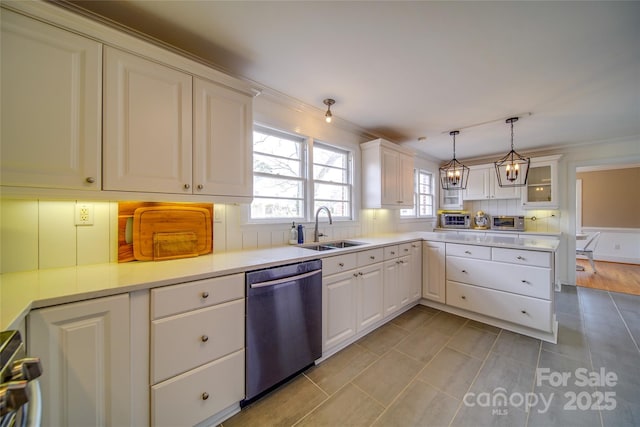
(319, 247)
(343, 244)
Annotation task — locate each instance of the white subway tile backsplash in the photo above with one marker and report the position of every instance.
(56, 234)
(19, 237)
(93, 241)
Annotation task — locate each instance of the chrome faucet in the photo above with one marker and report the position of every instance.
(316, 235)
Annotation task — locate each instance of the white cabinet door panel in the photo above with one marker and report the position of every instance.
(147, 125)
(370, 295)
(433, 271)
(51, 106)
(338, 308)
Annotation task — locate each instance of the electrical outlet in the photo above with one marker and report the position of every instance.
(84, 214)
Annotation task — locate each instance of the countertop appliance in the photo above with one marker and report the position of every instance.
(284, 324)
(458, 219)
(20, 400)
(481, 221)
(508, 222)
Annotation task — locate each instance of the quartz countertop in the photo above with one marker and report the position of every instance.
(24, 291)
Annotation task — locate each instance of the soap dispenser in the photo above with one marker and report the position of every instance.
(293, 234)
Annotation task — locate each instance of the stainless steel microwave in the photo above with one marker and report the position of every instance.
(455, 220)
(507, 222)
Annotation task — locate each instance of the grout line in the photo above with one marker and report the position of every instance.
(624, 321)
(533, 386)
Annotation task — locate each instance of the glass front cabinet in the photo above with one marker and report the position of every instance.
(451, 199)
(541, 191)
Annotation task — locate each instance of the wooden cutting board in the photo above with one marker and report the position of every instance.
(169, 232)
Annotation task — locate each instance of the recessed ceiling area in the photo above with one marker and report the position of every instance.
(403, 70)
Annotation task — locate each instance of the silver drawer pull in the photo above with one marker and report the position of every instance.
(523, 311)
(464, 271)
(355, 274)
(393, 253)
(414, 246)
(341, 264)
(204, 338)
(205, 395)
(406, 250)
(467, 252)
(372, 257)
(525, 281)
(360, 273)
(401, 262)
(205, 295)
(520, 258)
(463, 297)
(90, 180)
(200, 186)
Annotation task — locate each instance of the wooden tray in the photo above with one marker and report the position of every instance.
(169, 232)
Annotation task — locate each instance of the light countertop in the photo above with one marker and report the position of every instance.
(24, 291)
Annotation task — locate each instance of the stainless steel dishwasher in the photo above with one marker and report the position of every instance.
(284, 324)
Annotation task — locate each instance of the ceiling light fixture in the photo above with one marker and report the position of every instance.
(328, 102)
(454, 175)
(512, 169)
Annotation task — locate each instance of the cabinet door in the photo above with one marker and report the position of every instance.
(147, 125)
(51, 112)
(433, 277)
(478, 184)
(404, 279)
(415, 278)
(406, 179)
(85, 352)
(391, 175)
(222, 151)
(338, 308)
(370, 296)
(542, 189)
(391, 284)
(450, 199)
(498, 192)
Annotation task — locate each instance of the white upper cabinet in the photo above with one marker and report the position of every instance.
(51, 95)
(450, 199)
(147, 125)
(222, 151)
(542, 184)
(387, 175)
(483, 184)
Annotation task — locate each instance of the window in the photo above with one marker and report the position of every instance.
(278, 175)
(332, 180)
(422, 197)
(286, 187)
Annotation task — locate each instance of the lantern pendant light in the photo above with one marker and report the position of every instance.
(513, 169)
(454, 175)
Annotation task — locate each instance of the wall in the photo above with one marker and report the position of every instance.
(611, 198)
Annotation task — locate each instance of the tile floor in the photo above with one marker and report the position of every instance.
(431, 368)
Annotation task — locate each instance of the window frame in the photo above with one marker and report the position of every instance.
(348, 184)
(415, 215)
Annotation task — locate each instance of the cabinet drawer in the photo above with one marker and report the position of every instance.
(180, 400)
(519, 279)
(194, 295)
(468, 251)
(338, 264)
(531, 312)
(405, 248)
(517, 256)
(391, 252)
(369, 257)
(184, 341)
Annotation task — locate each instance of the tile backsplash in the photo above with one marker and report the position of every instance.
(542, 221)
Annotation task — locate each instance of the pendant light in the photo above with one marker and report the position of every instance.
(328, 102)
(512, 169)
(454, 175)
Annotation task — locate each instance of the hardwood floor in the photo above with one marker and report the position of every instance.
(611, 276)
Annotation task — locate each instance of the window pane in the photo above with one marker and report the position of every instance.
(264, 208)
(331, 192)
(277, 187)
(276, 165)
(329, 157)
(269, 144)
(338, 209)
(324, 173)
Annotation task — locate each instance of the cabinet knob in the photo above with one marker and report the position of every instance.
(341, 264)
(463, 297)
(360, 273)
(524, 281)
(200, 186)
(205, 395)
(407, 250)
(187, 186)
(467, 252)
(464, 271)
(205, 295)
(355, 274)
(399, 201)
(523, 311)
(393, 253)
(372, 257)
(414, 246)
(90, 179)
(204, 338)
(521, 258)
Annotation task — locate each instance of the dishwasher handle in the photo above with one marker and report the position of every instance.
(284, 280)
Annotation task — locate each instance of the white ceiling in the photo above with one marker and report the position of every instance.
(403, 70)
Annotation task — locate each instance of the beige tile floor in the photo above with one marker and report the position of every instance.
(417, 369)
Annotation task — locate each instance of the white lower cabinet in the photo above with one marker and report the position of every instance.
(338, 308)
(370, 296)
(197, 354)
(85, 349)
(433, 271)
